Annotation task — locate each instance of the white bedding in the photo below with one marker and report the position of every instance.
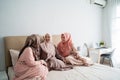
(95, 72)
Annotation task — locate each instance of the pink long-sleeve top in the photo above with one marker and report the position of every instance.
(26, 66)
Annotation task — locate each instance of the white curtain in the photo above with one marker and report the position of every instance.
(111, 28)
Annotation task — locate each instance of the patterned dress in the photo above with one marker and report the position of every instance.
(53, 62)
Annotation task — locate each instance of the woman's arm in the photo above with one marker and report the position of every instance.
(29, 58)
(75, 53)
(73, 50)
(57, 55)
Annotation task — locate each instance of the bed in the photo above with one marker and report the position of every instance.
(94, 72)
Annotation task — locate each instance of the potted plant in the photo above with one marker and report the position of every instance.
(102, 43)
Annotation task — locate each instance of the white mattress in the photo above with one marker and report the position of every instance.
(95, 72)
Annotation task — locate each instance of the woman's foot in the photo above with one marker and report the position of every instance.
(87, 64)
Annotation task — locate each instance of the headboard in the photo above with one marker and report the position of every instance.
(17, 42)
(12, 42)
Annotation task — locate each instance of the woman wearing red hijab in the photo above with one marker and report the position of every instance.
(68, 51)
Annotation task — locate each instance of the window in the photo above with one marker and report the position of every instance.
(116, 28)
(116, 35)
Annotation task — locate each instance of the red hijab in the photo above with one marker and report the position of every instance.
(65, 47)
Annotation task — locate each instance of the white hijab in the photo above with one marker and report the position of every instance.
(48, 47)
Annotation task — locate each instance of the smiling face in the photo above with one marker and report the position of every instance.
(47, 37)
(66, 38)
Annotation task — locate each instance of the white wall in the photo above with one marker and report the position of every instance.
(24, 17)
(108, 15)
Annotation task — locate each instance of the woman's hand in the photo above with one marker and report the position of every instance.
(49, 57)
(43, 62)
(64, 60)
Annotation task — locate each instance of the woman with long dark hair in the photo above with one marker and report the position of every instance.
(28, 65)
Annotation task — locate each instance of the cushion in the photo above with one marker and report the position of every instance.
(84, 50)
(14, 55)
(56, 39)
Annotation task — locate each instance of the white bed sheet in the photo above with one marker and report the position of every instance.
(95, 72)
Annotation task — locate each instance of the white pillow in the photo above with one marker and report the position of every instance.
(14, 55)
(84, 51)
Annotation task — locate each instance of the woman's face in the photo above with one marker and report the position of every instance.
(63, 38)
(47, 37)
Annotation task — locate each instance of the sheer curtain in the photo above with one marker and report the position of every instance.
(112, 28)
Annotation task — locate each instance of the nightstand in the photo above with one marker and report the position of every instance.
(3, 75)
